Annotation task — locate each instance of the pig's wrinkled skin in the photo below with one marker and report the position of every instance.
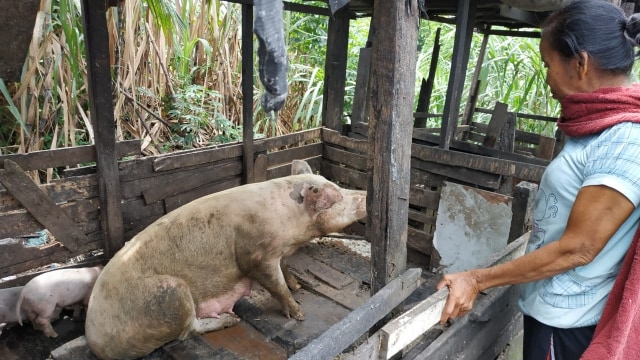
(8, 300)
(182, 275)
(44, 296)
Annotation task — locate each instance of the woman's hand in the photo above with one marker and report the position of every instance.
(463, 290)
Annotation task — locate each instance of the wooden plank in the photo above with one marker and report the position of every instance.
(96, 38)
(420, 177)
(422, 136)
(164, 186)
(406, 328)
(60, 191)
(361, 94)
(400, 332)
(469, 176)
(344, 333)
(134, 210)
(350, 159)
(424, 101)
(333, 137)
(43, 209)
(508, 133)
(424, 197)
(347, 177)
(335, 71)
(71, 156)
(524, 197)
(248, 175)
(465, 19)
(175, 202)
(470, 106)
(496, 123)
(329, 275)
(419, 240)
(545, 147)
(20, 223)
(300, 152)
(288, 140)
(523, 171)
(260, 168)
(421, 217)
(209, 155)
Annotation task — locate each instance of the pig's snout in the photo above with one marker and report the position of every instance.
(359, 201)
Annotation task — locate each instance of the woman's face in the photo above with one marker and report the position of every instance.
(562, 75)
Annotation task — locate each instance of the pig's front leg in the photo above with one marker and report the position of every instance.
(271, 277)
(291, 281)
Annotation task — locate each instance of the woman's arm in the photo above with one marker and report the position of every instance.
(595, 216)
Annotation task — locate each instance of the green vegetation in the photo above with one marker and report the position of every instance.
(177, 76)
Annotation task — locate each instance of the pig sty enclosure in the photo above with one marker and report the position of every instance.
(358, 307)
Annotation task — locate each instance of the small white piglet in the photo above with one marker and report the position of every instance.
(8, 299)
(44, 296)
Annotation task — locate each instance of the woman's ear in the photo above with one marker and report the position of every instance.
(582, 63)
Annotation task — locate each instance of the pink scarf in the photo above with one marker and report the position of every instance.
(617, 332)
(591, 113)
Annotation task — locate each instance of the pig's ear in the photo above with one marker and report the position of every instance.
(299, 167)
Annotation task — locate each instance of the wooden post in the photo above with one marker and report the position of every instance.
(465, 19)
(524, 197)
(470, 108)
(101, 112)
(335, 70)
(424, 99)
(247, 94)
(392, 82)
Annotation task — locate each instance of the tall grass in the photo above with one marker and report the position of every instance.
(177, 76)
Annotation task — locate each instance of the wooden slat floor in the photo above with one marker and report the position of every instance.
(335, 280)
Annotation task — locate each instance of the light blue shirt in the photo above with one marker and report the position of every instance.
(576, 298)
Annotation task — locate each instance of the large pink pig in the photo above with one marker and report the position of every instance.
(182, 274)
(44, 296)
(8, 300)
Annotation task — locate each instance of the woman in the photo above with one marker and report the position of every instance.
(586, 212)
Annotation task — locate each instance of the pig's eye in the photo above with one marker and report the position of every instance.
(314, 189)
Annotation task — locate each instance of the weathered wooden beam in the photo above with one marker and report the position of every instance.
(524, 196)
(406, 328)
(465, 18)
(43, 209)
(495, 166)
(99, 80)
(72, 156)
(393, 64)
(426, 87)
(349, 329)
(496, 123)
(335, 70)
(467, 115)
(361, 95)
(334, 137)
(247, 95)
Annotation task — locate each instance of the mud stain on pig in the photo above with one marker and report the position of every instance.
(296, 194)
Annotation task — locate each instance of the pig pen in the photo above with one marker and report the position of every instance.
(336, 294)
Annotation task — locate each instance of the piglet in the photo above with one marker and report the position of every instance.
(8, 299)
(44, 296)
